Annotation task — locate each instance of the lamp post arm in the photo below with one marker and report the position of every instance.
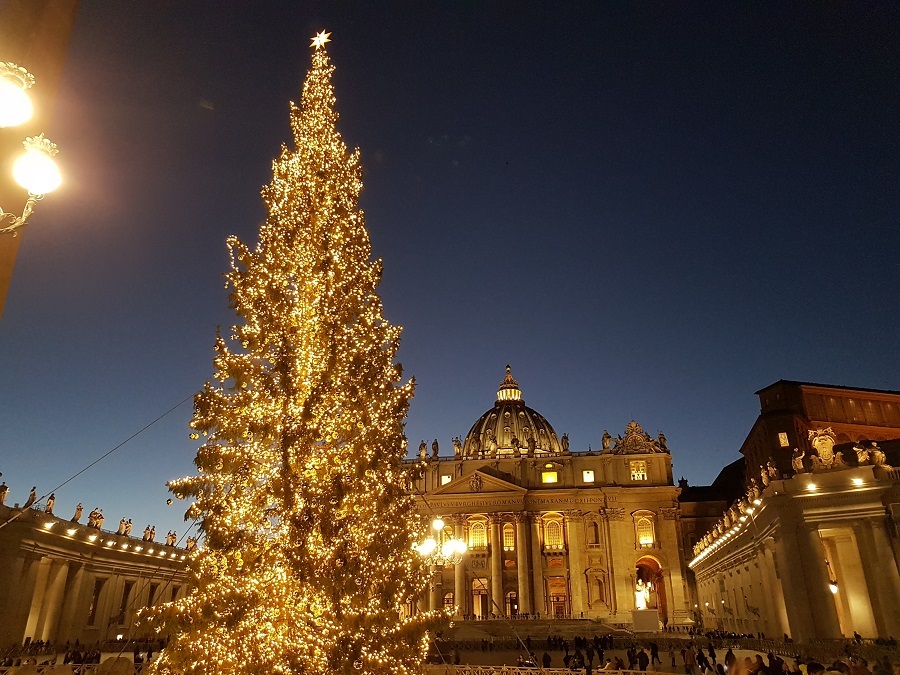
(18, 222)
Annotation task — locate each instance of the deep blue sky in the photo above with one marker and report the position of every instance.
(650, 212)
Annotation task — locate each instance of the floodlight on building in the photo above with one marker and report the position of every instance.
(833, 587)
(812, 487)
(857, 481)
(92, 537)
(48, 525)
(71, 531)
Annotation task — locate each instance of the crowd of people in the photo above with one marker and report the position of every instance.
(712, 653)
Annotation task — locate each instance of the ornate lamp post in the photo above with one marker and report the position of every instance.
(438, 549)
(35, 170)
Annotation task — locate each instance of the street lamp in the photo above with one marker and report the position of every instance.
(15, 106)
(440, 548)
(35, 170)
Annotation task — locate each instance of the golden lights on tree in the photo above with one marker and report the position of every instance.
(308, 564)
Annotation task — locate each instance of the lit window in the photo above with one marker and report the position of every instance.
(448, 601)
(477, 535)
(783, 439)
(446, 478)
(509, 537)
(549, 477)
(553, 534)
(639, 470)
(645, 533)
(587, 476)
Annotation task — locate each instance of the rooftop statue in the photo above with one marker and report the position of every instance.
(606, 439)
(797, 460)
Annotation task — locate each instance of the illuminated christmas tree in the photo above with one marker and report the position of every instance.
(307, 563)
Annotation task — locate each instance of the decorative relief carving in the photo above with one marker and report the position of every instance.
(476, 483)
(637, 441)
(615, 514)
(669, 512)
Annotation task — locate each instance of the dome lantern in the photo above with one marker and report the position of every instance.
(509, 388)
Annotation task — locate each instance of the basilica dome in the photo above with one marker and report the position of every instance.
(511, 427)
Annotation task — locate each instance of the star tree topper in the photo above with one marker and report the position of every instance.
(319, 40)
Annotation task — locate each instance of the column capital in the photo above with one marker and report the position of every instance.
(522, 517)
(574, 515)
(495, 518)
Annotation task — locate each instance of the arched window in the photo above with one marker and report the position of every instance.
(477, 534)
(593, 532)
(644, 528)
(448, 601)
(553, 534)
(509, 537)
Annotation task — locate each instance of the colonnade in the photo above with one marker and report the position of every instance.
(529, 561)
(58, 599)
(808, 580)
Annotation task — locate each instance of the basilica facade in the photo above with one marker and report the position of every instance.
(553, 532)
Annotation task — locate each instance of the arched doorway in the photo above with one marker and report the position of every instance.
(650, 569)
(512, 604)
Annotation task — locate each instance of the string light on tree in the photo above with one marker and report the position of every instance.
(308, 563)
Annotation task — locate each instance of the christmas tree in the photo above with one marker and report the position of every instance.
(307, 563)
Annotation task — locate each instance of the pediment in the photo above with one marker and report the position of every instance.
(478, 482)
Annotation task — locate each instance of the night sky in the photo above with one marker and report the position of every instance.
(650, 212)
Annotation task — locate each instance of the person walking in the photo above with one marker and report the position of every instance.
(643, 660)
(690, 660)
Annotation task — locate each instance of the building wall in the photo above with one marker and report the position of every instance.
(64, 581)
(793, 408)
(591, 571)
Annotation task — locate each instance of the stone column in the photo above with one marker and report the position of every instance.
(40, 570)
(497, 600)
(775, 620)
(537, 568)
(610, 565)
(460, 597)
(575, 531)
(881, 575)
(825, 618)
(522, 563)
(72, 605)
(11, 590)
(56, 584)
(436, 597)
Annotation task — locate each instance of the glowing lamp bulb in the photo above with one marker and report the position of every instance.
(35, 170)
(15, 105)
(427, 547)
(448, 548)
(437, 524)
(461, 546)
(833, 587)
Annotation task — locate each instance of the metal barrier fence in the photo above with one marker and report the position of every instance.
(513, 670)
